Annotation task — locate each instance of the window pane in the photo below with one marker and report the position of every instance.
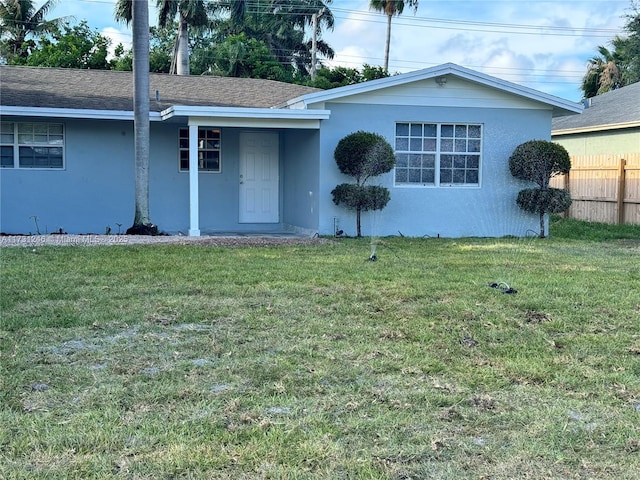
(402, 129)
(40, 157)
(461, 131)
(446, 145)
(6, 132)
(446, 161)
(459, 161)
(445, 176)
(430, 130)
(428, 175)
(473, 146)
(473, 161)
(402, 160)
(415, 161)
(429, 161)
(55, 129)
(461, 146)
(6, 156)
(458, 176)
(414, 175)
(472, 176)
(416, 129)
(446, 131)
(429, 145)
(416, 145)
(474, 131)
(401, 175)
(402, 144)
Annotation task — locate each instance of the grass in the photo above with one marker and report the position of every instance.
(311, 362)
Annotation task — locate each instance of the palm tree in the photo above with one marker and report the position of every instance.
(279, 24)
(20, 19)
(390, 8)
(189, 12)
(136, 12)
(603, 73)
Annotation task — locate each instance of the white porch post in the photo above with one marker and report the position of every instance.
(194, 202)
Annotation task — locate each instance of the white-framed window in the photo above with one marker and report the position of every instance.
(31, 145)
(438, 154)
(209, 159)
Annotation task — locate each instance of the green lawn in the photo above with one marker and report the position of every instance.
(303, 362)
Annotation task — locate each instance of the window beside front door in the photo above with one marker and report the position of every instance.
(209, 159)
(438, 154)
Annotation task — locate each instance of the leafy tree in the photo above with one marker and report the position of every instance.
(614, 68)
(70, 47)
(161, 42)
(538, 161)
(390, 8)
(363, 155)
(327, 78)
(280, 24)
(239, 56)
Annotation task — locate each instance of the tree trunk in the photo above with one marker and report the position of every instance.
(386, 47)
(542, 233)
(358, 229)
(182, 61)
(140, 19)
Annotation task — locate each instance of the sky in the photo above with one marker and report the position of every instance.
(543, 45)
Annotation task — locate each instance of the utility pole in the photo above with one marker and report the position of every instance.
(314, 41)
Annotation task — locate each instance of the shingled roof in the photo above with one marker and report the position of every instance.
(615, 109)
(113, 90)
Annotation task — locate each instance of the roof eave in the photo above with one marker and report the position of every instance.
(595, 128)
(72, 113)
(242, 112)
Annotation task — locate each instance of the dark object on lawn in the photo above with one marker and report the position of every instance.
(468, 341)
(146, 229)
(503, 287)
(373, 258)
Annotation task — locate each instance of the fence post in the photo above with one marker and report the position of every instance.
(567, 187)
(621, 192)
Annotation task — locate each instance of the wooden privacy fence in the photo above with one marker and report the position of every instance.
(604, 188)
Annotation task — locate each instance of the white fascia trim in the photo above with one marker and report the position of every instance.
(73, 113)
(434, 72)
(246, 113)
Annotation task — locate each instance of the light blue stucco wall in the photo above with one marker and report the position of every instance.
(96, 187)
(488, 210)
(300, 178)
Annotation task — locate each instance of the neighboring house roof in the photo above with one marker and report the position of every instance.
(612, 110)
(560, 106)
(113, 90)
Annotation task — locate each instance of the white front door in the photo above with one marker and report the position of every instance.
(259, 177)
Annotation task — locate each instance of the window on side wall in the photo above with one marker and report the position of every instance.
(31, 145)
(438, 154)
(209, 159)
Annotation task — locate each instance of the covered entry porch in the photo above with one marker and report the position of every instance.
(250, 171)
